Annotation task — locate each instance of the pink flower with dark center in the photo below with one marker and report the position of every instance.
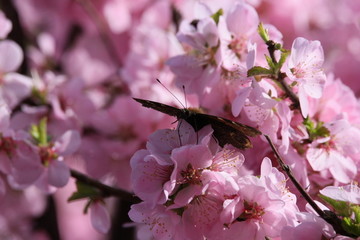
(337, 153)
(261, 208)
(304, 66)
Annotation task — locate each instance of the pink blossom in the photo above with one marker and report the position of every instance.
(338, 101)
(260, 208)
(148, 184)
(236, 30)
(335, 152)
(310, 227)
(43, 165)
(304, 66)
(160, 169)
(26, 166)
(197, 69)
(162, 223)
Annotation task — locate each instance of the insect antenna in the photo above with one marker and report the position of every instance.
(171, 93)
(184, 91)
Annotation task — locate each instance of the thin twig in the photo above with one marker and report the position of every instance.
(328, 216)
(280, 77)
(103, 28)
(106, 190)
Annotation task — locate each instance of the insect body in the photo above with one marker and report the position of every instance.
(225, 130)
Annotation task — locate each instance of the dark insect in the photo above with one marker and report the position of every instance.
(225, 130)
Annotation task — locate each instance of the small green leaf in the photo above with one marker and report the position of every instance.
(263, 32)
(350, 226)
(322, 131)
(316, 131)
(84, 191)
(342, 208)
(217, 15)
(87, 205)
(270, 62)
(257, 70)
(356, 211)
(283, 56)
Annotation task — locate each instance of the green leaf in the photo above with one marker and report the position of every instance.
(263, 32)
(342, 208)
(284, 54)
(217, 15)
(322, 131)
(257, 70)
(270, 63)
(350, 226)
(84, 191)
(356, 211)
(316, 131)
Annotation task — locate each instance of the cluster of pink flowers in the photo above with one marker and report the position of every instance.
(70, 129)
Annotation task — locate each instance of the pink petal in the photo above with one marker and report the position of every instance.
(314, 87)
(266, 167)
(11, 56)
(304, 103)
(16, 88)
(348, 193)
(2, 188)
(251, 57)
(342, 168)
(26, 168)
(4, 118)
(47, 44)
(5, 25)
(68, 143)
(58, 173)
(318, 158)
(242, 20)
(117, 15)
(201, 10)
(239, 101)
(100, 218)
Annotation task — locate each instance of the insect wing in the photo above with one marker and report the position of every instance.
(169, 110)
(247, 130)
(229, 132)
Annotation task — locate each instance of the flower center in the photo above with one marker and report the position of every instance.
(298, 72)
(251, 211)
(238, 46)
(7, 145)
(47, 154)
(191, 175)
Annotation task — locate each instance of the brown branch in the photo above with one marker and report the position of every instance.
(328, 216)
(105, 189)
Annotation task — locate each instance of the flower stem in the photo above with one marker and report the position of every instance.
(328, 216)
(105, 189)
(280, 77)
